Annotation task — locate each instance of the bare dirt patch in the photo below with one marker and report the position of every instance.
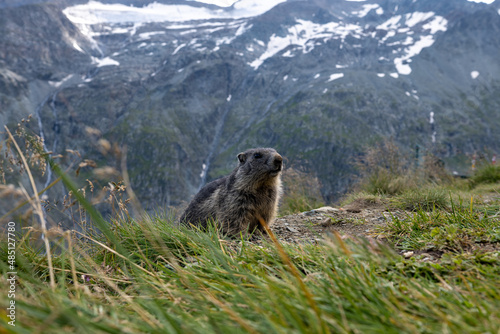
(360, 218)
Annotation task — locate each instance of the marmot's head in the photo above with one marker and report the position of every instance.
(260, 165)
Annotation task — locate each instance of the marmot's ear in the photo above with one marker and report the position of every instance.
(242, 157)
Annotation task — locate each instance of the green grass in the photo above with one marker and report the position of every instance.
(421, 199)
(487, 173)
(460, 229)
(176, 280)
(385, 182)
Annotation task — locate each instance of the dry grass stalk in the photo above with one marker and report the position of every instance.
(143, 313)
(136, 205)
(114, 252)
(67, 234)
(37, 205)
(244, 324)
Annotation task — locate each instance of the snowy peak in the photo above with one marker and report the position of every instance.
(95, 12)
(406, 34)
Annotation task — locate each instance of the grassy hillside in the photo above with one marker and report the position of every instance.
(433, 267)
(159, 278)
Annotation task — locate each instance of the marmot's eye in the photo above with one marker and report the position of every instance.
(257, 155)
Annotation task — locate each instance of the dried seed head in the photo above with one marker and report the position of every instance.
(93, 131)
(9, 190)
(106, 172)
(104, 146)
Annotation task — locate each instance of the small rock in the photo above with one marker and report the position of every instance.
(353, 210)
(326, 209)
(309, 213)
(190, 259)
(408, 254)
(291, 229)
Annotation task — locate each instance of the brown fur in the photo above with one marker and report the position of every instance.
(235, 202)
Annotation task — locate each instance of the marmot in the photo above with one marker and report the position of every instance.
(237, 201)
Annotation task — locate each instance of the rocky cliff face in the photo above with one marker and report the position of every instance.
(186, 86)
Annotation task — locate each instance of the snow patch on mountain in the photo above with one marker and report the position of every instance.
(390, 24)
(95, 12)
(58, 84)
(220, 3)
(368, 8)
(335, 76)
(302, 37)
(107, 61)
(305, 35)
(401, 63)
(76, 46)
(178, 48)
(483, 1)
(401, 24)
(415, 18)
(148, 35)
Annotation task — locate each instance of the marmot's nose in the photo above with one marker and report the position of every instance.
(278, 161)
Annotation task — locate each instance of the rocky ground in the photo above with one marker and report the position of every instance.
(360, 218)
